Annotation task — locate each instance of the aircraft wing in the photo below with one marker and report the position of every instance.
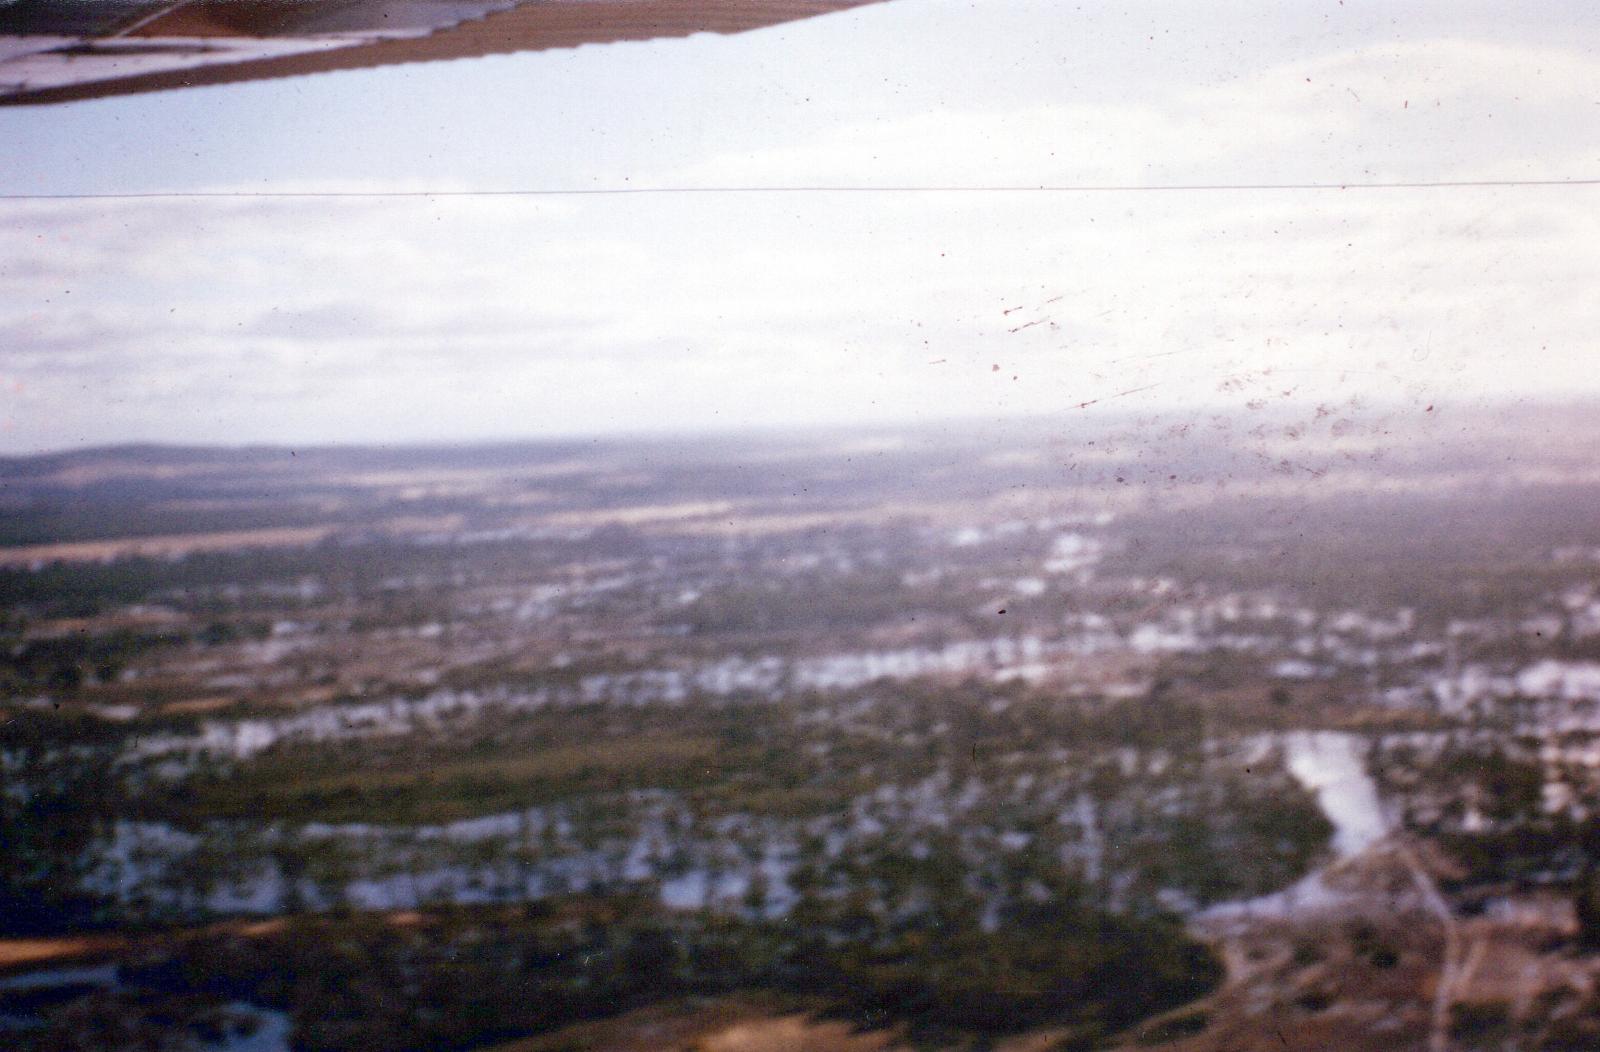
(61, 50)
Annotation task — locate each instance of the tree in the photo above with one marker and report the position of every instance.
(1586, 903)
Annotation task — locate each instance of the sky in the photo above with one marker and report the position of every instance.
(460, 318)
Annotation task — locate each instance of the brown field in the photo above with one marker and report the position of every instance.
(641, 515)
(197, 705)
(153, 618)
(177, 545)
(24, 953)
(167, 546)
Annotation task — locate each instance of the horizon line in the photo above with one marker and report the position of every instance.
(620, 191)
(1438, 409)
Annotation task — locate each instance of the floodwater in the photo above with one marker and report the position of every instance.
(1332, 765)
(262, 1029)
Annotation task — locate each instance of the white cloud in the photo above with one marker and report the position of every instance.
(1438, 109)
(454, 317)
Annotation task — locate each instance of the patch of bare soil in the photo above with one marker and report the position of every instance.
(18, 954)
(723, 1025)
(1389, 966)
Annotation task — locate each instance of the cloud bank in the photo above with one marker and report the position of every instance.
(384, 320)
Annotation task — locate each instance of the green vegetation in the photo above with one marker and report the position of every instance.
(609, 717)
(1487, 1022)
(1024, 766)
(1524, 852)
(1368, 944)
(1586, 904)
(457, 979)
(481, 780)
(64, 663)
(47, 827)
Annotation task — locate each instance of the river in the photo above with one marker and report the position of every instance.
(1331, 765)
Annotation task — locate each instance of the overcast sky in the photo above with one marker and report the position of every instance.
(387, 320)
